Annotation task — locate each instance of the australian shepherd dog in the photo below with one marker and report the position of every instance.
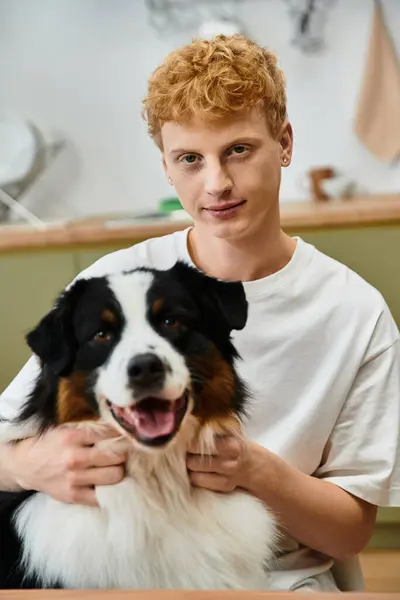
(149, 352)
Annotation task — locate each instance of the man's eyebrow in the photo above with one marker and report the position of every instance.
(182, 151)
(244, 139)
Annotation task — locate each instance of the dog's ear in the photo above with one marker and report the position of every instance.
(220, 301)
(53, 340)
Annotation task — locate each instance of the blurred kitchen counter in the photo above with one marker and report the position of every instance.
(119, 229)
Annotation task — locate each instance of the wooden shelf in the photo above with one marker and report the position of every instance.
(295, 217)
(358, 211)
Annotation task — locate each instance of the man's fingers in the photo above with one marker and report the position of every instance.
(84, 458)
(104, 458)
(96, 476)
(209, 464)
(83, 495)
(210, 481)
(205, 463)
(87, 436)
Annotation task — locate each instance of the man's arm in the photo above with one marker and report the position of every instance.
(363, 456)
(316, 513)
(8, 481)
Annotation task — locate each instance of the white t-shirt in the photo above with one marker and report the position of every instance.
(321, 354)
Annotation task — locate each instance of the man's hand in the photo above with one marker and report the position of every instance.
(65, 464)
(316, 513)
(225, 470)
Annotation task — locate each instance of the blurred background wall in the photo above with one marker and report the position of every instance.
(79, 67)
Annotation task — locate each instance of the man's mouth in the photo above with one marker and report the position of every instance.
(225, 209)
(152, 421)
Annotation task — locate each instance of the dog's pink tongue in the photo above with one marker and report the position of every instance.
(151, 423)
(156, 423)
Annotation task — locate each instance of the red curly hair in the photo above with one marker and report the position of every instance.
(212, 79)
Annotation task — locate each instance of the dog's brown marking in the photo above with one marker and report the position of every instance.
(157, 305)
(224, 425)
(217, 396)
(108, 317)
(72, 406)
(206, 437)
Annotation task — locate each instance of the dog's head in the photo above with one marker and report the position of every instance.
(144, 349)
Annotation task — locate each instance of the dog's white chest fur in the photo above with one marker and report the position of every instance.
(149, 533)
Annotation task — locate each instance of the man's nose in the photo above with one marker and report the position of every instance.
(217, 182)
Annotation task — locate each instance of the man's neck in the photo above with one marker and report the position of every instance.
(247, 259)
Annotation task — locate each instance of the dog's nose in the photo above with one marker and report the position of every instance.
(146, 370)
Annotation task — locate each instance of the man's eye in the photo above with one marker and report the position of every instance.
(238, 149)
(189, 159)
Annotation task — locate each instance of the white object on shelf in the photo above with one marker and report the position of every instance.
(18, 148)
(24, 157)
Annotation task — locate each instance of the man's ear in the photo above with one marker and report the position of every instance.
(53, 340)
(221, 301)
(285, 138)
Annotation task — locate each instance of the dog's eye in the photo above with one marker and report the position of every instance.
(170, 322)
(102, 336)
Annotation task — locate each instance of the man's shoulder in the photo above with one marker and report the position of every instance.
(359, 303)
(157, 253)
(342, 280)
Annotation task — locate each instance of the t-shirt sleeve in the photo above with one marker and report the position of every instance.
(17, 392)
(362, 455)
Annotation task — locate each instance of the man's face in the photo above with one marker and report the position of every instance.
(227, 175)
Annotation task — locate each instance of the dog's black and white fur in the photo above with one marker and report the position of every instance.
(149, 352)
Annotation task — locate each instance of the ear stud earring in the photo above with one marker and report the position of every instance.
(170, 180)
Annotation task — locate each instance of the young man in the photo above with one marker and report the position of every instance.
(320, 350)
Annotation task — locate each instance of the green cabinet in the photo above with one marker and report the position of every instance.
(29, 282)
(84, 257)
